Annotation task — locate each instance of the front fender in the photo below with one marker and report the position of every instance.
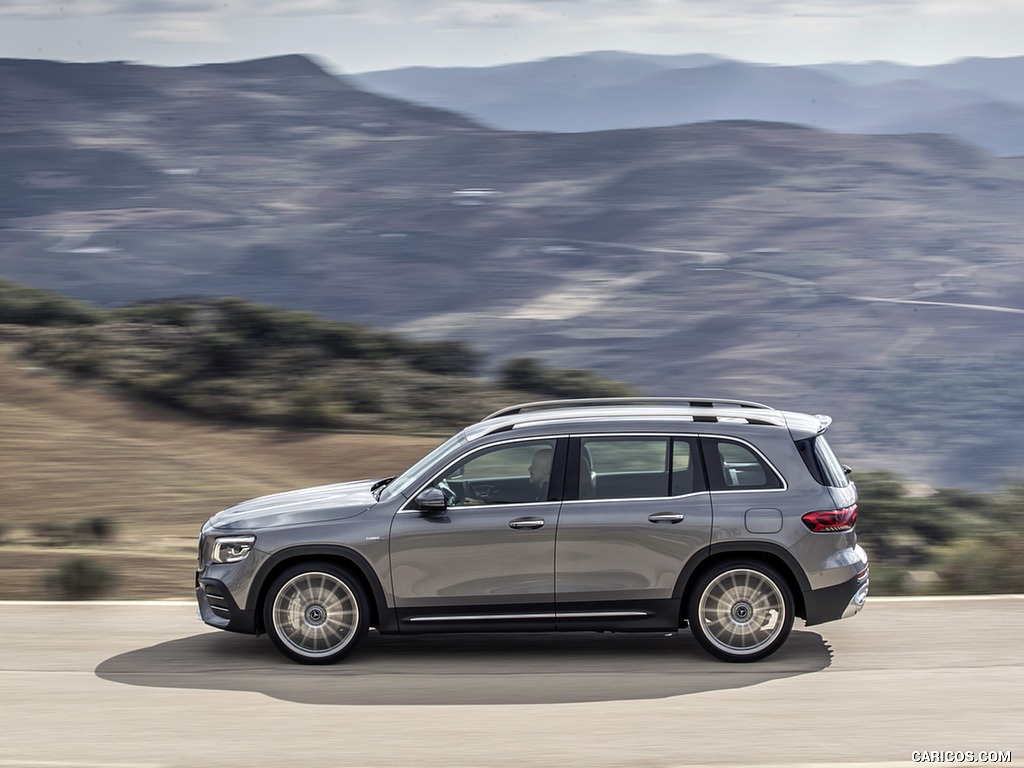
(384, 618)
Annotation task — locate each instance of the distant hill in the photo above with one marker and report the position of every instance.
(878, 278)
(980, 101)
(999, 79)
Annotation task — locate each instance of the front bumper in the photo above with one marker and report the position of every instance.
(837, 602)
(218, 608)
(223, 589)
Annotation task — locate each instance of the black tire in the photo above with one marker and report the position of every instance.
(741, 610)
(316, 613)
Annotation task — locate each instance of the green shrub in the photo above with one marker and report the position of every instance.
(530, 375)
(79, 578)
(342, 340)
(980, 566)
(525, 373)
(364, 398)
(314, 406)
(223, 354)
(265, 324)
(224, 399)
(53, 534)
(22, 305)
(232, 360)
(455, 358)
(971, 541)
(178, 313)
(98, 529)
(162, 388)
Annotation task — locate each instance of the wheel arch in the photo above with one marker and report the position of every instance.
(762, 551)
(381, 616)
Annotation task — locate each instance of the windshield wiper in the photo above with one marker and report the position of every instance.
(379, 486)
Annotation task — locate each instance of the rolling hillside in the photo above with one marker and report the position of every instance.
(71, 453)
(876, 278)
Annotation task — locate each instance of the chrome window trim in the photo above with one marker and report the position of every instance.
(698, 435)
(408, 509)
(757, 451)
(749, 490)
(628, 436)
(621, 499)
(507, 505)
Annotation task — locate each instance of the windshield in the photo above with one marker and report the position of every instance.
(401, 483)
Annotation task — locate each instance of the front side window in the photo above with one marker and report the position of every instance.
(638, 467)
(736, 467)
(515, 473)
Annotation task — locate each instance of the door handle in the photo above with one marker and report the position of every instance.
(667, 517)
(527, 522)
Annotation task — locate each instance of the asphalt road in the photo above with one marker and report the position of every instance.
(93, 685)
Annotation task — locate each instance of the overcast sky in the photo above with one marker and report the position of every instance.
(361, 35)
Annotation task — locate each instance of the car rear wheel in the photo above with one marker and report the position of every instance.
(741, 611)
(315, 613)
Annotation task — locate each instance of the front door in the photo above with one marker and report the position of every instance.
(488, 561)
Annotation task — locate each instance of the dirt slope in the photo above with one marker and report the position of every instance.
(69, 454)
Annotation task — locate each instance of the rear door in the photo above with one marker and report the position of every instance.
(636, 509)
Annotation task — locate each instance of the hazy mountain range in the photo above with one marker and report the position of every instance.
(876, 278)
(980, 101)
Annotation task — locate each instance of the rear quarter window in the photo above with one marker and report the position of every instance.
(737, 467)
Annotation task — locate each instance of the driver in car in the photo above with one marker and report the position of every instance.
(540, 472)
(540, 475)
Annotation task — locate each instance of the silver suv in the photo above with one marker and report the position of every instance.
(627, 515)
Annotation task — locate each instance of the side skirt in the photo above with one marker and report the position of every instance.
(630, 616)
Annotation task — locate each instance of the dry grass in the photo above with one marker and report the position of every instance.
(70, 453)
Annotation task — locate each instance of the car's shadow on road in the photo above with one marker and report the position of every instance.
(464, 669)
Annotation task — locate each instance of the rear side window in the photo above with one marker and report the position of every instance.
(736, 467)
(638, 467)
(821, 462)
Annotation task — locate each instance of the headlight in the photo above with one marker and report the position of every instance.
(231, 549)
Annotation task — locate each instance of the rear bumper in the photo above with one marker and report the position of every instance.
(837, 602)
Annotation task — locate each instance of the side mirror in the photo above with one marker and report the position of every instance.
(431, 501)
(847, 469)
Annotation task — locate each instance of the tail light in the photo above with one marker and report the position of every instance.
(831, 521)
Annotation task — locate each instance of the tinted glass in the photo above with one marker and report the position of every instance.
(822, 462)
(506, 474)
(624, 468)
(736, 467)
(830, 465)
(687, 474)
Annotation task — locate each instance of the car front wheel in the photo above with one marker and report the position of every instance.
(741, 611)
(315, 613)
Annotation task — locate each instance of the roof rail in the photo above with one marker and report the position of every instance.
(681, 402)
